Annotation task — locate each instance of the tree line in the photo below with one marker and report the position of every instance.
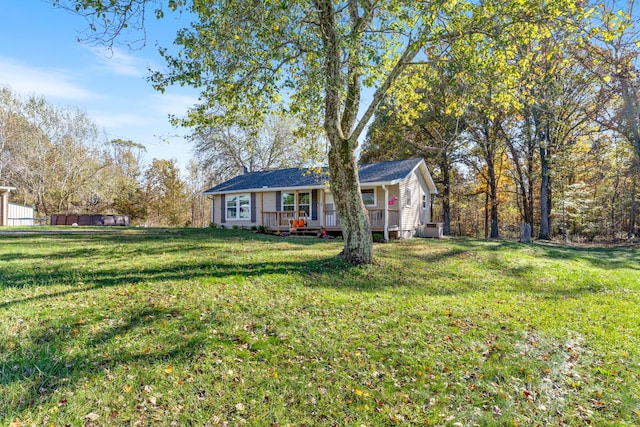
(527, 137)
(500, 65)
(527, 109)
(60, 163)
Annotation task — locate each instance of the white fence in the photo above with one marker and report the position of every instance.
(20, 215)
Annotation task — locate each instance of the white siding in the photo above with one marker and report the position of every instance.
(269, 201)
(411, 215)
(20, 215)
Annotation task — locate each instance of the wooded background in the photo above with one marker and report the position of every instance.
(536, 128)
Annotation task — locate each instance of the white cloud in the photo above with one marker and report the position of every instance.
(121, 63)
(174, 104)
(28, 80)
(111, 120)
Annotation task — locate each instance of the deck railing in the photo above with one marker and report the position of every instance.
(331, 218)
(376, 218)
(279, 219)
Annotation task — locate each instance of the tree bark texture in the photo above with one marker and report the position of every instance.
(545, 222)
(631, 111)
(544, 148)
(339, 123)
(489, 148)
(524, 184)
(493, 189)
(356, 231)
(632, 213)
(446, 193)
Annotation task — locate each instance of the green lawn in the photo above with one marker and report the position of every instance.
(214, 327)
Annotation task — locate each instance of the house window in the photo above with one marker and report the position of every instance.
(407, 197)
(368, 196)
(288, 202)
(424, 201)
(297, 202)
(304, 203)
(239, 207)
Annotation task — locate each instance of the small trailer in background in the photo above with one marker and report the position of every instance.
(99, 220)
(431, 229)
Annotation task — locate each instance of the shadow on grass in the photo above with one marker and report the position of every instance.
(192, 271)
(43, 365)
(458, 265)
(147, 241)
(450, 255)
(607, 258)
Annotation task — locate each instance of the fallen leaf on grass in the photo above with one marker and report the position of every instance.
(15, 423)
(92, 416)
(168, 369)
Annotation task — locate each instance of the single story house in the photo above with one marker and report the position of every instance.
(4, 205)
(396, 194)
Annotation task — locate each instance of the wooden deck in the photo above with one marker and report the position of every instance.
(280, 221)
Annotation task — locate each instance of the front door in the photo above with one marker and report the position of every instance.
(424, 209)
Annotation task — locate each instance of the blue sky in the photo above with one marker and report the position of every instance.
(40, 55)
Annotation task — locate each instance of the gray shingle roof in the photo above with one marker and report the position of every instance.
(305, 178)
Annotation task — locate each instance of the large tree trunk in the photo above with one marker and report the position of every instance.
(614, 201)
(340, 116)
(632, 213)
(356, 231)
(530, 173)
(446, 194)
(493, 189)
(524, 188)
(545, 221)
(486, 215)
(631, 111)
(492, 180)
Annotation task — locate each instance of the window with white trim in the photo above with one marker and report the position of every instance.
(407, 197)
(297, 202)
(304, 203)
(238, 207)
(368, 196)
(288, 202)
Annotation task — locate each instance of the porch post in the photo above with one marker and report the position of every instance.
(386, 212)
(321, 206)
(213, 212)
(3, 209)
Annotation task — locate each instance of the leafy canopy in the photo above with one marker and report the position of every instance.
(251, 57)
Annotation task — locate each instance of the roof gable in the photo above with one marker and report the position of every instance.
(379, 173)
